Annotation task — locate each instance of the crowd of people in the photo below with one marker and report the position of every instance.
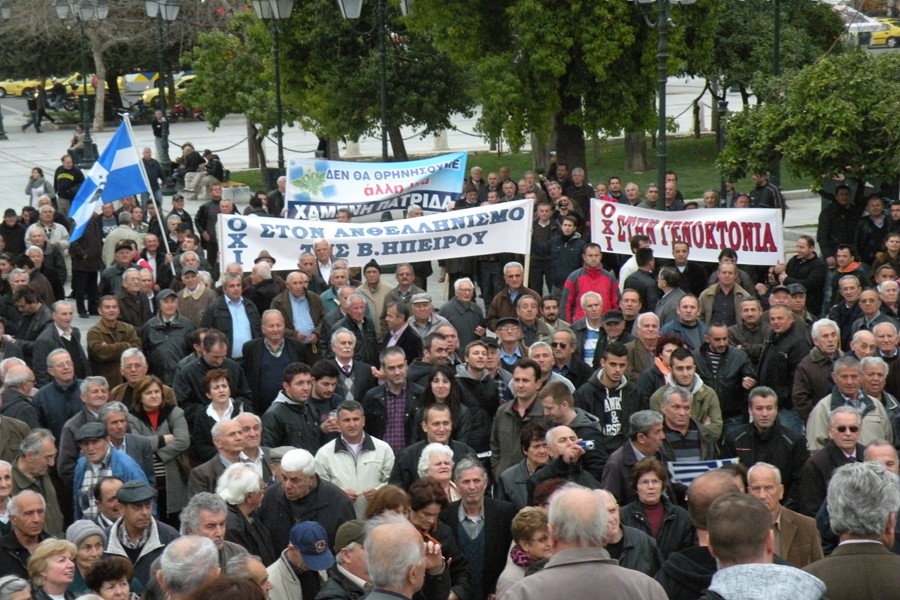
(318, 432)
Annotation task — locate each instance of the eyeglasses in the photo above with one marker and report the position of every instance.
(649, 482)
(844, 428)
(559, 345)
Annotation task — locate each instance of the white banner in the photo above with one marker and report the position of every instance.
(317, 188)
(756, 234)
(478, 231)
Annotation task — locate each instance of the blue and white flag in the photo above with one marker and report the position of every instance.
(118, 173)
(687, 471)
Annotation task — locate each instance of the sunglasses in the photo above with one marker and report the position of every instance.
(844, 428)
(559, 345)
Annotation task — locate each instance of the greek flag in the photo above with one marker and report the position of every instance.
(119, 172)
(687, 471)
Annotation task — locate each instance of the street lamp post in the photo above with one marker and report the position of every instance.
(662, 24)
(273, 12)
(351, 9)
(163, 11)
(84, 10)
(5, 13)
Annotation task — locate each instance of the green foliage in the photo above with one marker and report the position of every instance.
(331, 68)
(746, 33)
(546, 68)
(835, 116)
(232, 74)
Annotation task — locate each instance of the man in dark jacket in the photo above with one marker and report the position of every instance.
(35, 317)
(164, 338)
(767, 440)
(67, 181)
(781, 355)
(361, 327)
(188, 383)
(391, 407)
(438, 427)
(290, 420)
(27, 530)
(479, 394)
(16, 397)
(134, 308)
(266, 358)
(728, 371)
(643, 280)
(59, 335)
(837, 224)
(807, 269)
(687, 573)
(303, 497)
(487, 550)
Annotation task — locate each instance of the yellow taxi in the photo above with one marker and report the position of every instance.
(888, 36)
(149, 96)
(18, 87)
(74, 85)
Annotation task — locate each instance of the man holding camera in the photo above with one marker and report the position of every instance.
(559, 409)
(568, 459)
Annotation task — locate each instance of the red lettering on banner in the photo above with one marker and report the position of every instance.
(711, 235)
(768, 244)
(607, 209)
(650, 230)
(734, 234)
(625, 227)
(607, 227)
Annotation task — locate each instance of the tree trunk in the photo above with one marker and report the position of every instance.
(334, 148)
(398, 146)
(695, 109)
(540, 153)
(714, 92)
(570, 147)
(636, 151)
(253, 150)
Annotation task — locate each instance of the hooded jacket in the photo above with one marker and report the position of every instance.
(482, 398)
(687, 573)
(767, 582)
(705, 405)
(612, 407)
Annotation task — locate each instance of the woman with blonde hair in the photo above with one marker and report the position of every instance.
(531, 544)
(52, 570)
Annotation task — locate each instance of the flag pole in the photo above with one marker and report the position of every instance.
(162, 227)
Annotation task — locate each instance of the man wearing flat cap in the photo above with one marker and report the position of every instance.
(98, 460)
(137, 535)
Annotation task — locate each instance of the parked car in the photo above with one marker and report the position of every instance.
(149, 97)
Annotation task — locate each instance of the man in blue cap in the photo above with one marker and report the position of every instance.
(301, 570)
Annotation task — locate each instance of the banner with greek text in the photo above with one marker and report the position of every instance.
(477, 231)
(756, 234)
(316, 189)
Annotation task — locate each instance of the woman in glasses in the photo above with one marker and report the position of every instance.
(654, 513)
